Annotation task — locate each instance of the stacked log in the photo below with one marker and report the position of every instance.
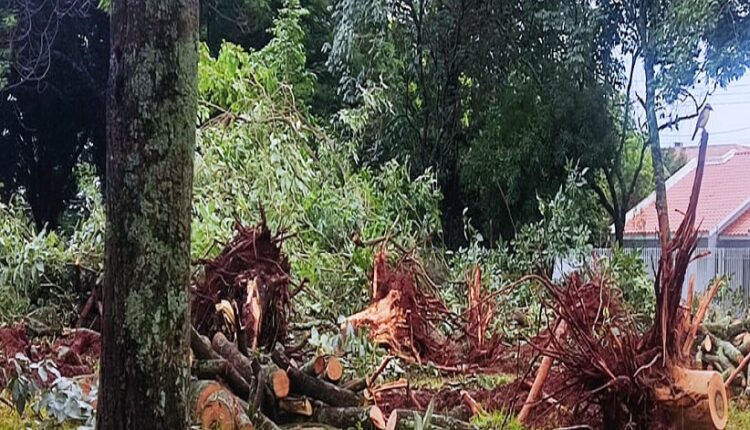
(724, 346)
(234, 391)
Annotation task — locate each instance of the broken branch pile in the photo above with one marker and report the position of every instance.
(632, 379)
(407, 315)
(249, 281)
(243, 369)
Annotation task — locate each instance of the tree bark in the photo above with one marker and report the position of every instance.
(151, 111)
(653, 137)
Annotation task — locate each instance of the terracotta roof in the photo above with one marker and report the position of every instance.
(740, 226)
(725, 191)
(691, 152)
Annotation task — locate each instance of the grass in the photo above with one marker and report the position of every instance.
(496, 420)
(739, 416)
(10, 420)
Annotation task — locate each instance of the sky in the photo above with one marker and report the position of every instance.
(729, 122)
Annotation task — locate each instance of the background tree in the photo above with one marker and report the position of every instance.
(457, 75)
(682, 47)
(152, 108)
(52, 111)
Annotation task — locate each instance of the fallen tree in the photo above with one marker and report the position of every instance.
(627, 378)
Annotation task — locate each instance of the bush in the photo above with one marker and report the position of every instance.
(629, 273)
(40, 268)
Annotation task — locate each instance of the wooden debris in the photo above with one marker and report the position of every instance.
(304, 384)
(403, 419)
(334, 370)
(297, 406)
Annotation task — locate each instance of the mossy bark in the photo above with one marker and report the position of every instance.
(151, 111)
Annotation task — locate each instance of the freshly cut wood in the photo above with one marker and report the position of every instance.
(398, 384)
(744, 344)
(727, 329)
(707, 345)
(472, 404)
(304, 384)
(403, 419)
(334, 370)
(718, 361)
(383, 364)
(541, 376)
(248, 368)
(218, 367)
(700, 314)
(297, 406)
(255, 309)
(215, 407)
(315, 367)
(700, 401)
(737, 371)
(278, 381)
(726, 348)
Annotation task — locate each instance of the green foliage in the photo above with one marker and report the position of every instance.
(496, 420)
(562, 232)
(628, 272)
(55, 401)
(739, 411)
(422, 422)
(7, 24)
(43, 267)
(260, 148)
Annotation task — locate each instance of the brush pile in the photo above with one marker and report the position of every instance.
(245, 376)
(408, 317)
(633, 380)
(245, 290)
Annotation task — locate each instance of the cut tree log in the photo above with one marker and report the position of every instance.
(278, 381)
(729, 330)
(356, 385)
(216, 408)
(744, 344)
(700, 401)
(315, 367)
(700, 314)
(737, 371)
(362, 417)
(201, 346)
(404, 419)
(334, 370)
(213, 368)
(306, 385)
(248, 368)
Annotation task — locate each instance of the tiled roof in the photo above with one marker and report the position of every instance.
(691, 152)
(740, 226)
(724, 192)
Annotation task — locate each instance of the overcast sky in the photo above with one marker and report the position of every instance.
(729, 122)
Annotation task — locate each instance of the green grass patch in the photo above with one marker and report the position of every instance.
(739, 416)
(496, 420)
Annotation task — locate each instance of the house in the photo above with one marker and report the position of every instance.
(722, 217)
(723, 213)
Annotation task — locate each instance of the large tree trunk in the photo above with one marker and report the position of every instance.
(151, 115)
(653, 138)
